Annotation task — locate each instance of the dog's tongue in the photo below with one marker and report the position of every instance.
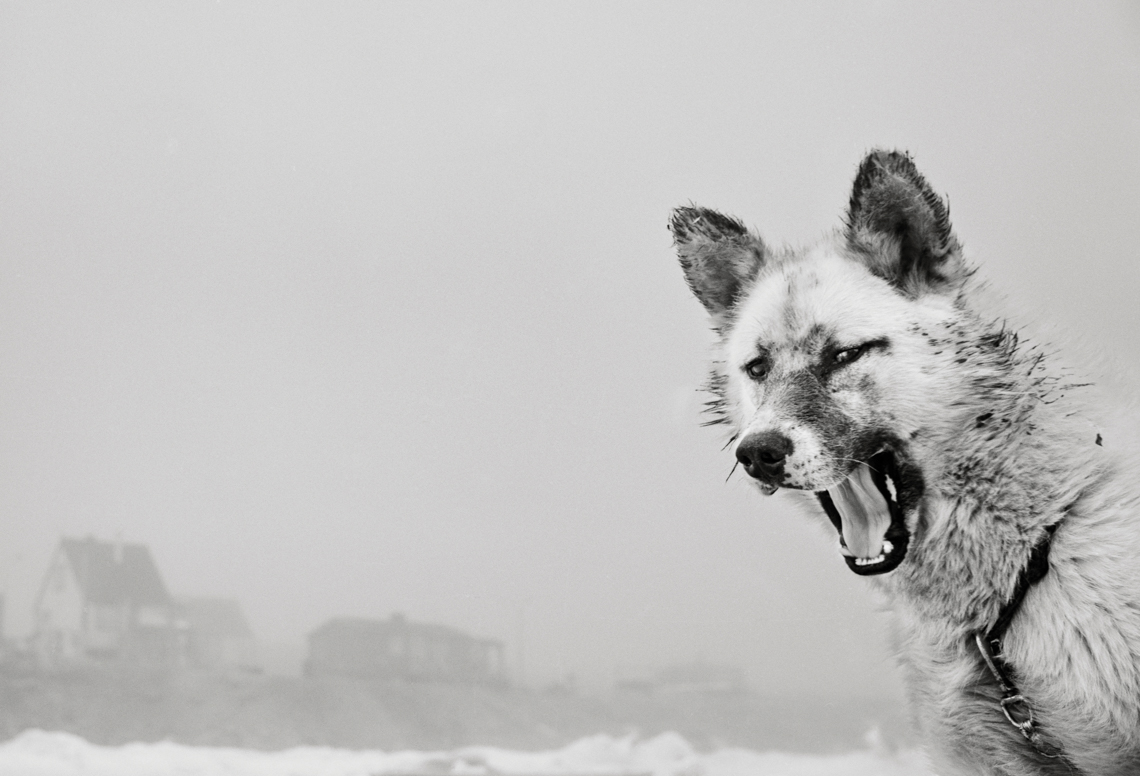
(863, 511)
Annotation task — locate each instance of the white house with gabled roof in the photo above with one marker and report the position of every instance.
(105, 601)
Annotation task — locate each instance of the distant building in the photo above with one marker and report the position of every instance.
(399, 649)
(698, 678)
(217, 634)
(104, 601)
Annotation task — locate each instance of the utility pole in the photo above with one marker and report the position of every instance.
(520, 644)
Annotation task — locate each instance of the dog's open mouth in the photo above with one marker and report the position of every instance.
(865, 509)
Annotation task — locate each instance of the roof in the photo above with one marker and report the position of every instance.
(215, 617)
(361, 626)
(115, 573)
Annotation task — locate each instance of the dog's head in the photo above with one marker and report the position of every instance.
(831, 357)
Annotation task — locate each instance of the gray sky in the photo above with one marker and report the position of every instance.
(361, 308)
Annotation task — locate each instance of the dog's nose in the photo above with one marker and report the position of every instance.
(763, 455)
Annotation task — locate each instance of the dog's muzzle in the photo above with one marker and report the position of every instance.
(867, 507)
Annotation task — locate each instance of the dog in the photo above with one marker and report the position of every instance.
(868, 377)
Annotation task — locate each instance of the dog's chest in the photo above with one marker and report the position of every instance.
(1079, 712)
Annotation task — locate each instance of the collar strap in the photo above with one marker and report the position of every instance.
(1034, 571)
(1013, 704)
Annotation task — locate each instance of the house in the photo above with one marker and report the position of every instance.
(104, 601)
(684, 679)
(701, 678)
(217, 634)
(398, 649)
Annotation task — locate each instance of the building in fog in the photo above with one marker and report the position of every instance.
(217, 634)
(104, 601)
(398, 649)
(697, 678)
(700, 678)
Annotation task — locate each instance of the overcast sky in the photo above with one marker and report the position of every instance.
(347, 309)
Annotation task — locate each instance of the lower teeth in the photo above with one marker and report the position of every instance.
(887, 549)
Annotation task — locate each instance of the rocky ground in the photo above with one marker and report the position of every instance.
(272, 712)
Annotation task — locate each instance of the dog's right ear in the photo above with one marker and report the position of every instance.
(719, 256)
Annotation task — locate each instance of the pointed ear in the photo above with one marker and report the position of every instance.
(719, 256)
(901, 228)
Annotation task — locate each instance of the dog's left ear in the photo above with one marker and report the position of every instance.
(719, 256)
(900, 228)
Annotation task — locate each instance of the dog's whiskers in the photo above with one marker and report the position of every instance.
(838, 459)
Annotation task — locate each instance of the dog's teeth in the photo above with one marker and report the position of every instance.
(888, 548)
(891, 488)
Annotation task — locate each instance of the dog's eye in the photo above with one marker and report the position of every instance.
(847, 355)
(758, 368)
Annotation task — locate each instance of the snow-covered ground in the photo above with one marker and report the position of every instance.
(38, 753)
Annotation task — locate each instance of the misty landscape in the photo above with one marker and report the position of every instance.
(352, 397)
(114, 658)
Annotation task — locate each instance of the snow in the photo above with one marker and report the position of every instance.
(40, 753)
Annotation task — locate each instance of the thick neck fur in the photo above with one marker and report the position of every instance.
(994, 479)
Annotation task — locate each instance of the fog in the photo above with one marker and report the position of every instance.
(361, 309)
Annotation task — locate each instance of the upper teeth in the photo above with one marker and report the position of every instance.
(891, 488)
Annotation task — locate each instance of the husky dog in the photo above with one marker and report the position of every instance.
(957, 463)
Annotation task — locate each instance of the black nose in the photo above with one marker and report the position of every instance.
(763, 455)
